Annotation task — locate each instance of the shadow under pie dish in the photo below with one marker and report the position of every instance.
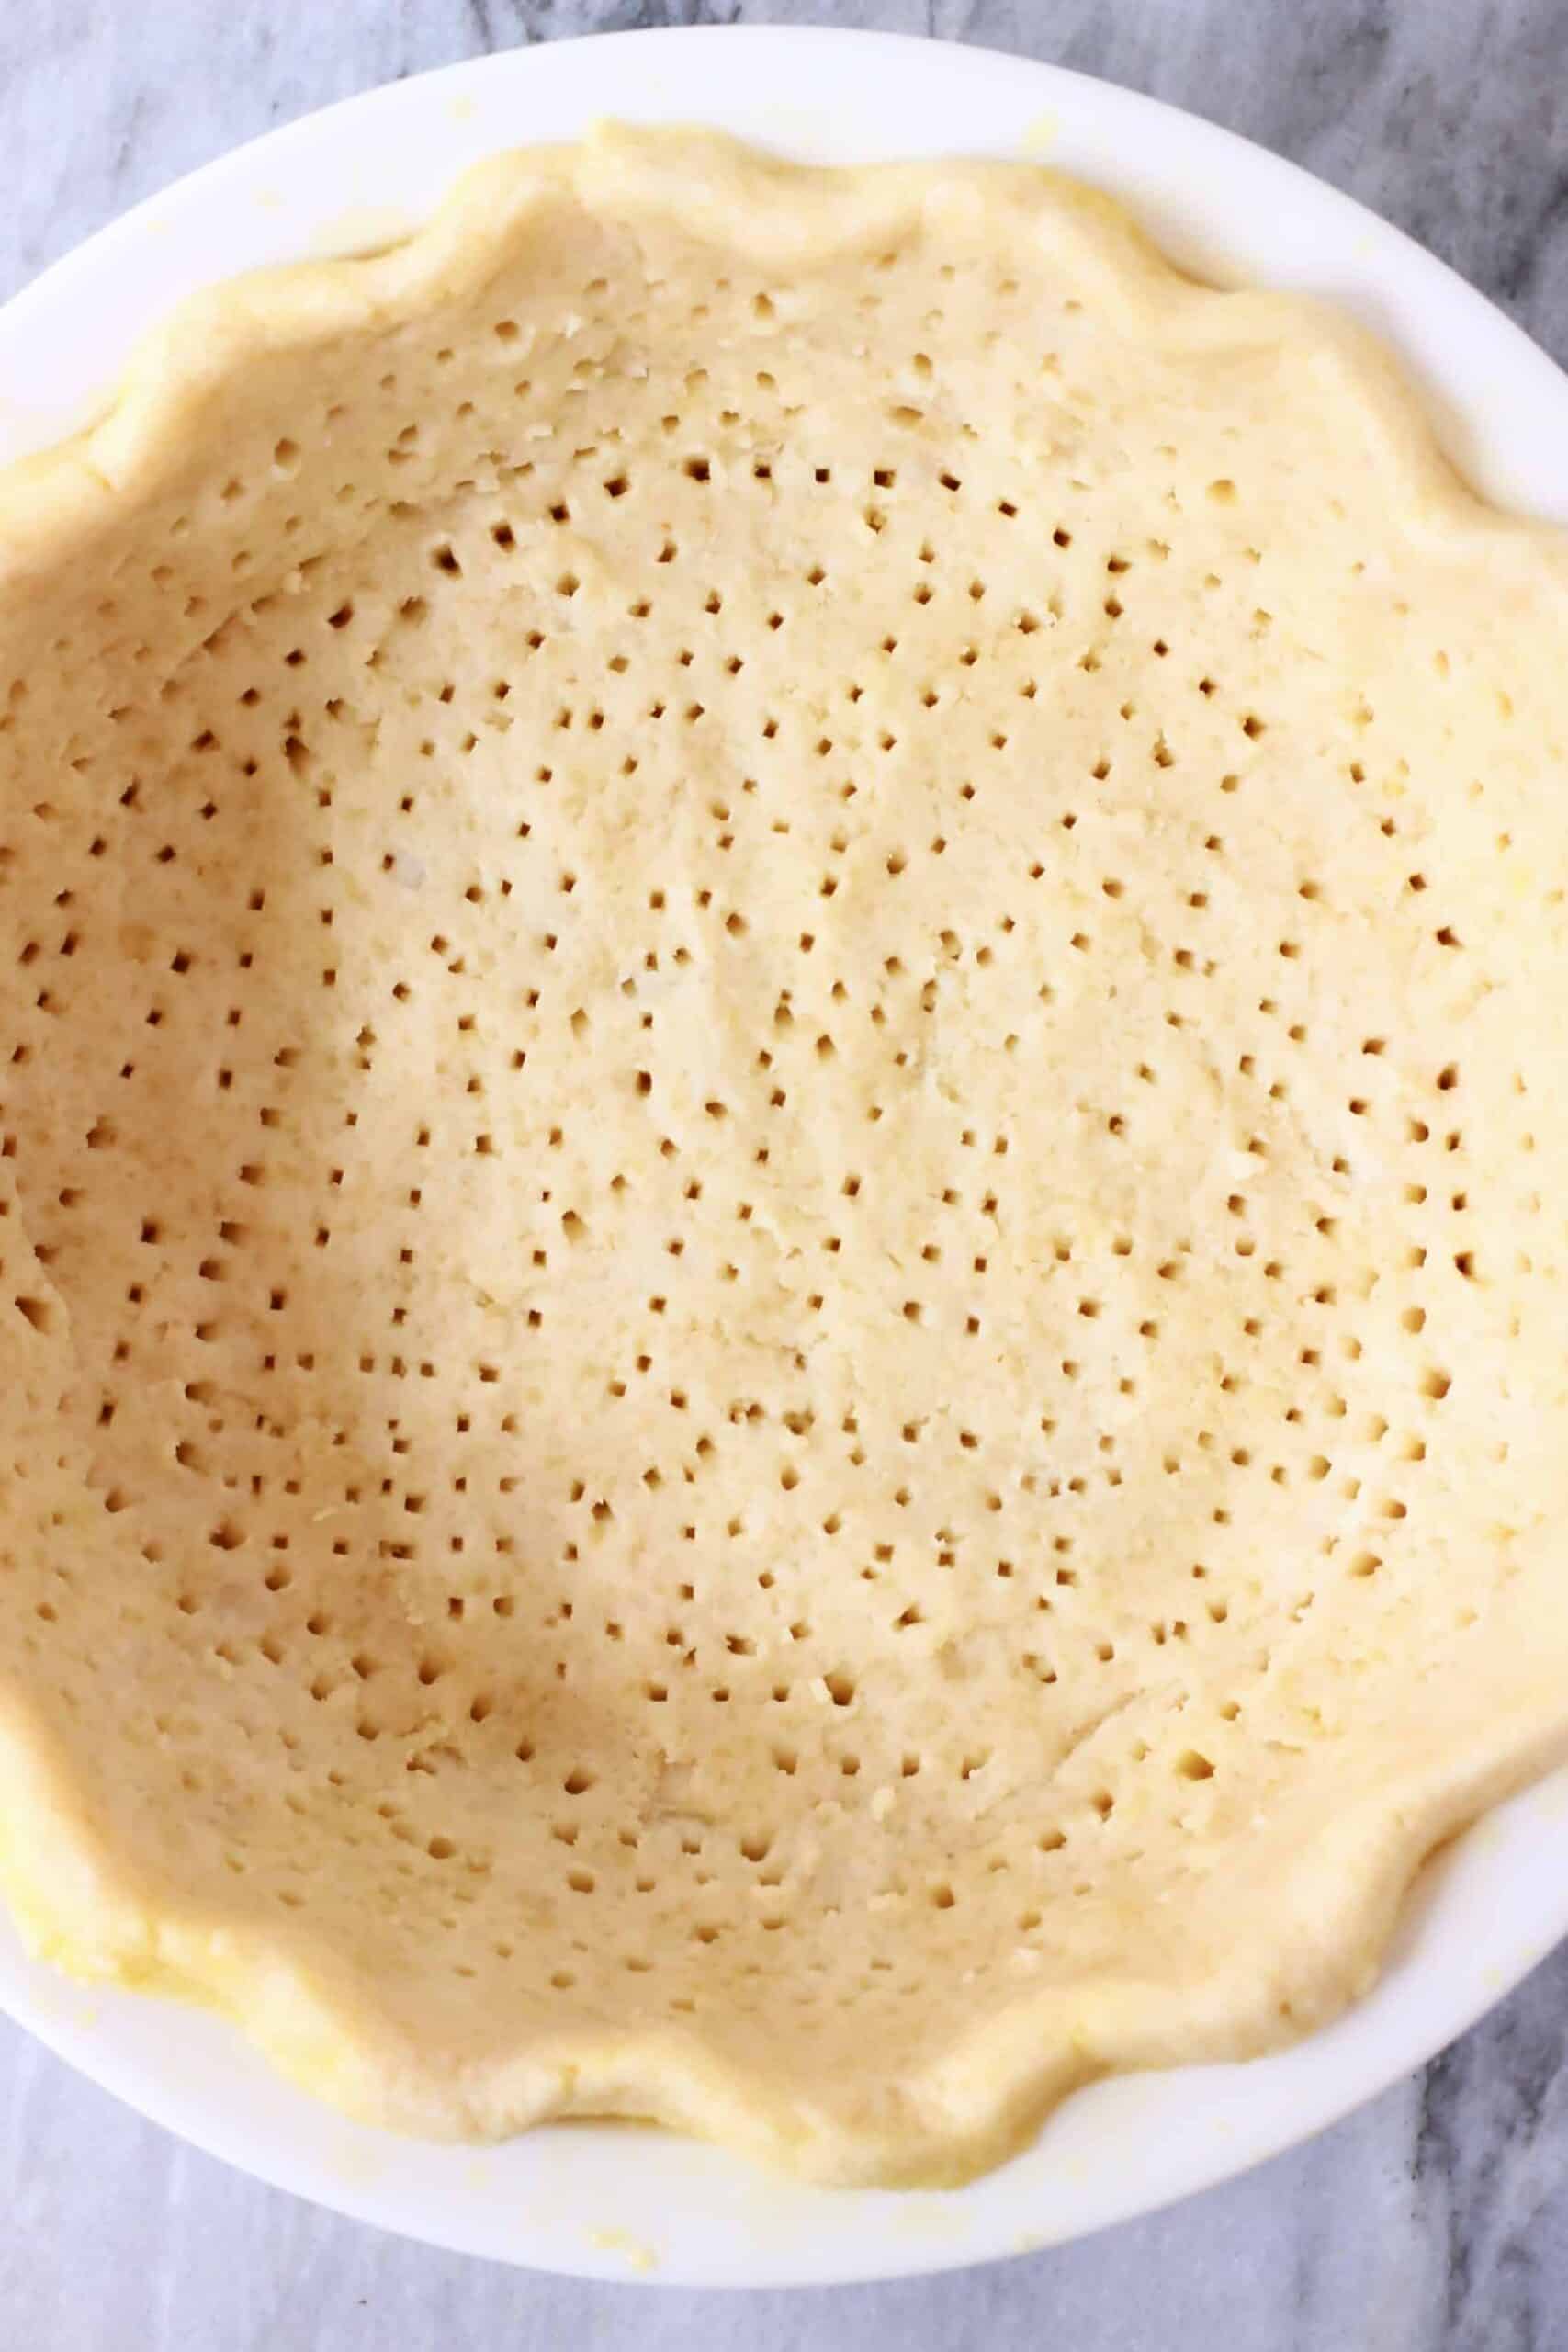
(783, 958)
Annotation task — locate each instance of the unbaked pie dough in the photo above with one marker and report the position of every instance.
(784, 988)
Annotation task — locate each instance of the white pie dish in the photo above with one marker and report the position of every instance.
(597, 2200)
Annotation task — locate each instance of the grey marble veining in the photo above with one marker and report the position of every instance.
(1436, 2218)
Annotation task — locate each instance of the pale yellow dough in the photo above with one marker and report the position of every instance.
(783, 969)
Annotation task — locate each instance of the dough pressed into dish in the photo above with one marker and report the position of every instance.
(782, 970)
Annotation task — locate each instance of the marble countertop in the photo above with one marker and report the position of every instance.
(1436, 2218)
